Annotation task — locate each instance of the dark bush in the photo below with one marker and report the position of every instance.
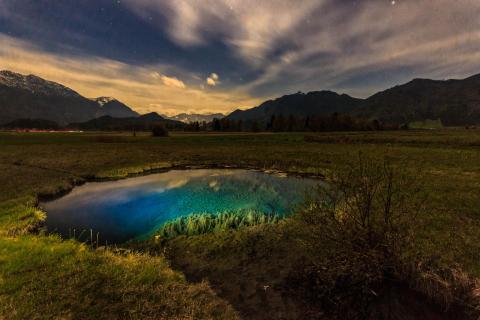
(159, 130)
(361, 235)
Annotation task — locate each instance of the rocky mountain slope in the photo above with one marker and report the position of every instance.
(23, 97)
(31, 97)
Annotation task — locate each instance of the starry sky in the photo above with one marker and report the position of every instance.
(173, 56)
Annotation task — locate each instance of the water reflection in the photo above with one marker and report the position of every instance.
(136, 207)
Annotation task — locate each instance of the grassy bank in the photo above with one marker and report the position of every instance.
(42, 276)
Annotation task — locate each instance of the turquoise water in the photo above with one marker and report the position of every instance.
(134, 208)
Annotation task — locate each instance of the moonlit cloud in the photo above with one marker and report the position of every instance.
(136, 86)
(251, 27)
(213, 79)
(353, 46)
(172, 82)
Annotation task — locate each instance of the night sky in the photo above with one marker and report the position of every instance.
(173, 56)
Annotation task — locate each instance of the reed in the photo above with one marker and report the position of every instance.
(202, 223)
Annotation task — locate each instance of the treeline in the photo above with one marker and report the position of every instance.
(276, 123)
(280, 123)
(143, 123)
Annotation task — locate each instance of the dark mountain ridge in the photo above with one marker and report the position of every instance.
(454, 102)
(31, 97)
(299, 105)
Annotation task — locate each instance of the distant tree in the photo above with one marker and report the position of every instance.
(291, 123)
(279, 124)
(334, 123)
(159, 130)
(306, 125)
(255, 126)
(376, 125)
(239, 125)
(216, 126)
(270, 123)
(225, 125)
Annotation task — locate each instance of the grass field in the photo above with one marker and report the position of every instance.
(42, 276)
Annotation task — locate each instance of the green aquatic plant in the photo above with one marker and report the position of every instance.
(202, 223)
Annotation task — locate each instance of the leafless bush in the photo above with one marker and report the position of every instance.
(362, 237)
(361, 229)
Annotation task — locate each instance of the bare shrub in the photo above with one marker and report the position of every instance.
(361, 229)
(361, 239)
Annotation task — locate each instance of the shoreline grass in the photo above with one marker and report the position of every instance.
(202, 223)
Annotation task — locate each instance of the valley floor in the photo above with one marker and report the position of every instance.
(228, 275)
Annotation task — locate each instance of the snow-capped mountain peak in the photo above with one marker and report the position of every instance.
(114, 108)
(195, 117)
(34, 84)
(103, 100)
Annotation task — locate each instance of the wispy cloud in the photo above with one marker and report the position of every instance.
(316, 44)
(137, 86)
(172, 82)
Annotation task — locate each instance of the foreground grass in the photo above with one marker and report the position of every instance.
(44, 277)
(240, 264)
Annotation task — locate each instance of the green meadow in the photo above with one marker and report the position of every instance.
(245, 270)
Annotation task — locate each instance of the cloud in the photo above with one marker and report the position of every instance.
(252, 33)
(172, 82)
(316, 44)
(213, 79)
(261, 49)
(136, 86)
(422, 38)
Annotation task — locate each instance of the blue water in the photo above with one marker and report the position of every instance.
(135, 208)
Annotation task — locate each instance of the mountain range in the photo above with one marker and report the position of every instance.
(31, 97)
(454, 102)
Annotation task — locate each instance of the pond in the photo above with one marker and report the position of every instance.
(135, 208)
